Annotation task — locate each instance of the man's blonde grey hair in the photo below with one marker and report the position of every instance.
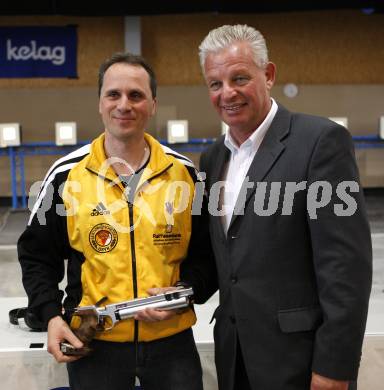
(224, 36)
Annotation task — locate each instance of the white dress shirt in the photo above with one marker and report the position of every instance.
(239, 163)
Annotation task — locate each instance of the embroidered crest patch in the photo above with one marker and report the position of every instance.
(103, 238)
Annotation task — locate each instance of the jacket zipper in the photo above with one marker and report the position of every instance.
(133, 256)
(134, 272)
(134, 276)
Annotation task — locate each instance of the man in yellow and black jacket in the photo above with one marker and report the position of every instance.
(120, 210)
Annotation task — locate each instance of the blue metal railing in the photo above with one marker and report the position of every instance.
(368, 141)
(17, 156)
(17, 165)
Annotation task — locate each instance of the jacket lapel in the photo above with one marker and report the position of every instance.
(215, 176)
(221, 159)
(269, 151)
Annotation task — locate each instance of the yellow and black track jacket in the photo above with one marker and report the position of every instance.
(115, 249)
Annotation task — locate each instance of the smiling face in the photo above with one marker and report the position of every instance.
(238, 88)
(126, 103)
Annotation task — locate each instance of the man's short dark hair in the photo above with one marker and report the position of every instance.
(130, 59)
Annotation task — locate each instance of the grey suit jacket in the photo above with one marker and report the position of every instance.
(294, 270)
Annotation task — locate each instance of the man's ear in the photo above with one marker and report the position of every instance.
(154, 105)
(270, 73)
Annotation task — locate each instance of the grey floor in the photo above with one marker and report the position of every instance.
(375, 210)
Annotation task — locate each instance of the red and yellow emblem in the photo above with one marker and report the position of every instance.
(103, 237)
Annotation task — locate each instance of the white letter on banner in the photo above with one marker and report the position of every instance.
(58, 55)
(11, 51)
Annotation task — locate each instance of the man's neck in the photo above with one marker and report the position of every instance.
(131, 150)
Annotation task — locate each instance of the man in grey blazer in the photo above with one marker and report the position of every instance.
(288, 229)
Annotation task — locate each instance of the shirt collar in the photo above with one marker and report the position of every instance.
(254, 140)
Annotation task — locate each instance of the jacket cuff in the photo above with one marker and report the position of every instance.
(50, 310)
(336, 369)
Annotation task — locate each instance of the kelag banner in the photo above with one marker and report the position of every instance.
(38, 51)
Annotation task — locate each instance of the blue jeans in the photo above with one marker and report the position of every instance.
(171, 363)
